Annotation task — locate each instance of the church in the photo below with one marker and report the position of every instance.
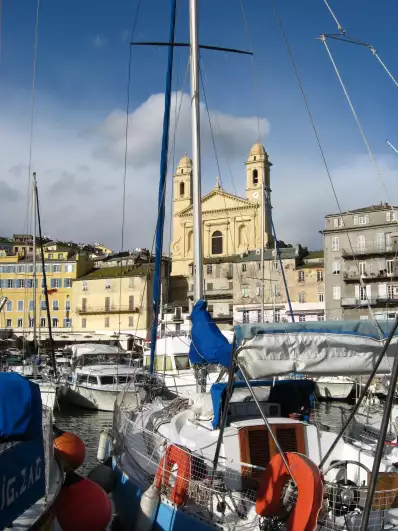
(231, 224)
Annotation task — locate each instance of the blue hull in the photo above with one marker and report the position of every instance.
(126, 497)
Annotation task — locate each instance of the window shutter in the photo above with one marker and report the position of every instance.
(357, 291)
(355, 220)
(369, 291)
(382, 291)
(336, 222)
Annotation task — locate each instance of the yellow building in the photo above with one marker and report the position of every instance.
(62, 265)
(231, 224)
(114, 301)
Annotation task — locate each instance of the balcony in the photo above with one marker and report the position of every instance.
(370, 276)
(112, 308)
(352, 302)
(373, 248)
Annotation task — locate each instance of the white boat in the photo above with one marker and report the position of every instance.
(334, 387)
(172, 365)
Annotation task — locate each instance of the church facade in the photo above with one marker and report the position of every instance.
(231, 224)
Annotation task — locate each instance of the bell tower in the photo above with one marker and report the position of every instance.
(183, 184)
(257, 172)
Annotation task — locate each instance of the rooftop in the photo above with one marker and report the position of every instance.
(314, 254)
(373, 208)
(117, 272)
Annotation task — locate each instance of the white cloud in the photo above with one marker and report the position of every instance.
(99, 42)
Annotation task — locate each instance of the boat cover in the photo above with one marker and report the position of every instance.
(294, 396)
(208, 344)
(20, 408)
(328, 348)
(83, 349)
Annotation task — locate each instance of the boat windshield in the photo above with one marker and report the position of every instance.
(101, 359)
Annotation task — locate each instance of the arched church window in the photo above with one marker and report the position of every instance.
(182, 171)
(241, 235)
(255, 177)
(216, 242)
(182, 189)
(190, 241)
(254, 158)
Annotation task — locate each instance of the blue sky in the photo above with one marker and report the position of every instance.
(81, 100)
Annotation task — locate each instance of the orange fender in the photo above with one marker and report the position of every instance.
(175, 455)
(307, 476)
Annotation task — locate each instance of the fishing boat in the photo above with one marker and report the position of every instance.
(31, 475)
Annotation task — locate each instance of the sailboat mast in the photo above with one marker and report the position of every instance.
(34, 267)
(262, 251)
(196, 170)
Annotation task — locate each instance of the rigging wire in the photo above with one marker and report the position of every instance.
(321, 150)
(339, 26)
(125, 161)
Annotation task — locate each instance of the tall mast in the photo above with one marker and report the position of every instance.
(262, 251)
(196, 173)
(34, 267)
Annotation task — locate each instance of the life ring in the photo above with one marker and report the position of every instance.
(175, 455)
(304, 514)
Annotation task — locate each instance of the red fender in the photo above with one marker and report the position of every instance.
(307, 476)
(175, 455)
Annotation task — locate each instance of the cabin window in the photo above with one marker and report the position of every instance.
(81, 378)
(182, 362)
(107, 380)
(255, 177)
(92, 380)
(216, 242)
(182, 189)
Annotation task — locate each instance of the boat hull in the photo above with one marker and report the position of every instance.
(333, 389)
(97, 399)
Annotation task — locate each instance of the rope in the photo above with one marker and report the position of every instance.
(319, 143)
(339, 27)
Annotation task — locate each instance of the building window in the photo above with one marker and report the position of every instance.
(21, 269)
(190, 241)
(302, 318)
(277, 316)
(362, 293)
(56, 268)
(55, 322)
(321, 317)
(31, 322)
(255, 177)
(241, 235)
(43, 305)
(55, 305)
(84, 322)
(67, 305)
(245, 316)
(60, 256)
(277, 290)
(131, 302)
(131, 321)
(106, 322)
(84, 285)
(335, 243)
(362, 268)
(69, 268)
(68, 283)
(361, 243)
(9, 306)
(259, 316)
(9, 323)
(182, 189)
(301, 276)
(43, 322)
(245, 291)
(319, 276)
(336, 293)
(390, 291)
(336, 268)
(56, 283)
(391, 216)
(361, 220)
(302, 296)
(321, 297)
(337, 223)
(51, 256)
(216, 242)
(275, 265)
(20, 306)
(67, 323)
(390, 267)
(209, 269)
(244, 267)
(20, 322)
(31, 306)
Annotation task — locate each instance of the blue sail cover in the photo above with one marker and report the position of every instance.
(208, 344)
(20, 408)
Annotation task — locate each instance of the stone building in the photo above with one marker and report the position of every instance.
(231, 224)
(360, 263)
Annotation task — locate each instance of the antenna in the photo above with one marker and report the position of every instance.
(391, 146)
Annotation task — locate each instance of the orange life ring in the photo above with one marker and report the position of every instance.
(307, 476)
(175, 455)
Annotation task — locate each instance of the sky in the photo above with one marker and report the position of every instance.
(78, 140)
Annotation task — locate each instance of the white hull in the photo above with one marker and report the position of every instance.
(183, 383)
(99, 399)
(333, 388)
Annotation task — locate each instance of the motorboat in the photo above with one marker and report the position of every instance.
(334, 387)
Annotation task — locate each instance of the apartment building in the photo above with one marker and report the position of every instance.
(62, 266)
(360, 263)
